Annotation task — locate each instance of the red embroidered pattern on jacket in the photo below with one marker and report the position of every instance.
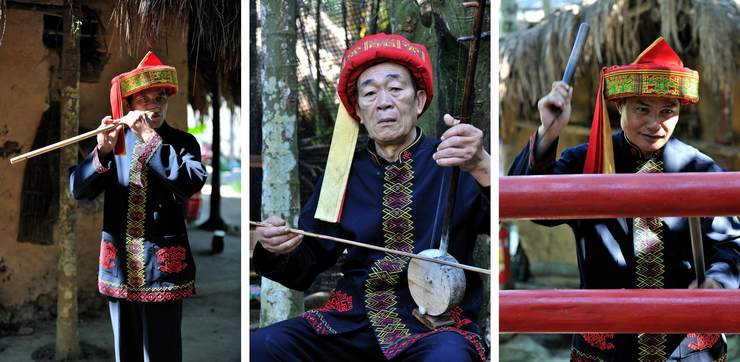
(475, 340)
(703, 341)
(171, 259)
(146, 295)
(107, 255)
(458, 317)
(338, 301)
(599, 340)
(319, 324)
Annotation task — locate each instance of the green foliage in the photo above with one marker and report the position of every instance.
(200, 128)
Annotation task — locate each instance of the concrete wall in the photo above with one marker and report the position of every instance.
(28, 271)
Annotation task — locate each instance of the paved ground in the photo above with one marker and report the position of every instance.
(211, 321)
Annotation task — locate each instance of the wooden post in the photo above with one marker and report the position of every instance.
(67, 335)
(280, 182)
(215, 221)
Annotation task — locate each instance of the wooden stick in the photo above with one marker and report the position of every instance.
(379, 248)
(697, 248)
(61, 144)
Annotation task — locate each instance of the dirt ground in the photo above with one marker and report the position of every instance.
(211, 318)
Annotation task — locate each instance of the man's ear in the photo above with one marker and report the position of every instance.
(357, 112)
(421, 100)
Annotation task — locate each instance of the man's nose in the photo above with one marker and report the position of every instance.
(654, 121)
(384, 100)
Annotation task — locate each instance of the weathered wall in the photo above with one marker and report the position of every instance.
(28, 271)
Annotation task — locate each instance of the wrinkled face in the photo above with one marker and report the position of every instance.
(387, 103)
(152, 99)
(649, 122)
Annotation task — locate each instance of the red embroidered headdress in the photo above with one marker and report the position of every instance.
(368, 51)
(149, 73)
(657, 72)
(381, 48)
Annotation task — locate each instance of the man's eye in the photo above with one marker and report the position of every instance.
(367, 94)
(668, 111)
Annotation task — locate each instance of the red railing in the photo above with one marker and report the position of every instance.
(619, 310)
(620, 195)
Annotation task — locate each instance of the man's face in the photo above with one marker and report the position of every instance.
(152, 99)
(649, 122)
(387, 103)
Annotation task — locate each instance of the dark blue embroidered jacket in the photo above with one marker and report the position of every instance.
(144, 253)
(391, 205)
(606, 252)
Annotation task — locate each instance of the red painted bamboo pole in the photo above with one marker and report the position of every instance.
(620, 311)
(620, 195)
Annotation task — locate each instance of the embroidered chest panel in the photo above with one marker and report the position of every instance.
(648, 239)
(383, 278)
(650, 268)
(136, 215)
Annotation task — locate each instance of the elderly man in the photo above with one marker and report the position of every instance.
(390, 200)
(147, 170)
(643, 252)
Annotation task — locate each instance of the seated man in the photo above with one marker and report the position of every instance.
(640, 253)
(390, 200)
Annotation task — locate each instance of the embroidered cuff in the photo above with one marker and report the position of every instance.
(99, 167)
(548, 158)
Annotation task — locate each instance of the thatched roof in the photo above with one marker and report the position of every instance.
(704, 33)
(213, 39)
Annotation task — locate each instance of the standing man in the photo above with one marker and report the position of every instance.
(391, 200)
(640, 253)
(147, 170)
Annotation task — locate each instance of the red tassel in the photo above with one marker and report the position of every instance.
(116, 106)
(595, 154)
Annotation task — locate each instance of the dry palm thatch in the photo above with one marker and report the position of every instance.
(213, 38)
(703, 31)
(3, 19)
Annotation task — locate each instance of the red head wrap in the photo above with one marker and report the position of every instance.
(382, 48)
(149, 73)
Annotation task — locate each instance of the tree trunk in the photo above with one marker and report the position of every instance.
(215, 222)
(317, 112)
(280, 185)
(67, 337)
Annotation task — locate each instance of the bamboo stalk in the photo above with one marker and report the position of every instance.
(379, 248)
(61, 144)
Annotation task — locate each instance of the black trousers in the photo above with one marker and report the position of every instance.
(146, 332)
(295, 340)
